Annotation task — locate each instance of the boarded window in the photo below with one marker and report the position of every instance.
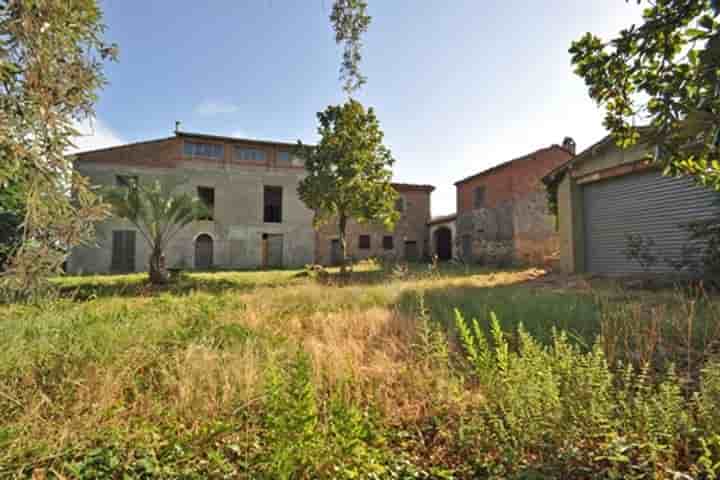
(364, 242)
(126, 180)
(207, 197)
(479, 197)
(123, 251)
(244, 154)
(388, 242)
(207, 150)
(273, 205)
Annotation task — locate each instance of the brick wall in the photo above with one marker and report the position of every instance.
(513, 224)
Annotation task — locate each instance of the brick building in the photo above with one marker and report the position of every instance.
(408, 241)
(502, 214)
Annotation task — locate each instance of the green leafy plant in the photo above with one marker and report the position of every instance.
(159, 212)
(51, 59)
(348, 172)
(639, 248)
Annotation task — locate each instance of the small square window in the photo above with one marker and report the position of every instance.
(127, 181)
(388, 242)
(364, 242)
(283, 158)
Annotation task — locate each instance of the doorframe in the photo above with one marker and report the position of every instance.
(194, 243)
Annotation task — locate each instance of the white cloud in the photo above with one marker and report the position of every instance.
(95, 134)
(213, 107)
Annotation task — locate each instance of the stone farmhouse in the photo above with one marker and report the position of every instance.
(256, 218)
(502, 212)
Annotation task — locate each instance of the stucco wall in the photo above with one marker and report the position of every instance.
(238, 225)
(412, 226)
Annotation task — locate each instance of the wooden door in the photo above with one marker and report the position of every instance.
(203, 252)
(274, 251)
(123, 251)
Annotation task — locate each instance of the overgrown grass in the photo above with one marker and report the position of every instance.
(278, 375)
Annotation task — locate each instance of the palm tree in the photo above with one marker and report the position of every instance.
(158, 212)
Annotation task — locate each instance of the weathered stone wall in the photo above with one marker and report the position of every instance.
(238, 225)
(513, 225)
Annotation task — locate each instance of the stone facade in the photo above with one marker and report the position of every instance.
(239, 235)
(409, 238)
(502, 215)
(238, 230)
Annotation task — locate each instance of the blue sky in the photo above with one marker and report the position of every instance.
(458, 86)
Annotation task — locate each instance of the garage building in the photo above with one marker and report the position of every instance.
(606, 195)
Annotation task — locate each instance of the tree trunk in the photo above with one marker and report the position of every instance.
(158, 273)
(342, 224)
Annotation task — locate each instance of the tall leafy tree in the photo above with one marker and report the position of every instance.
(159, 212)
(349, 171)
(663, 74)
(350, 21)
(51, 57)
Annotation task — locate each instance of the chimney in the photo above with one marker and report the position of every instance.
(569, 144)
(177, 126)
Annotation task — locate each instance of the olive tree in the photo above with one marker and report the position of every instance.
(51, 58)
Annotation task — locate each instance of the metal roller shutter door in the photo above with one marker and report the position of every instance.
(648, 204)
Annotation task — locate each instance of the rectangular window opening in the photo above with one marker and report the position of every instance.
(245, 154)
(272, 204)
(479, 197)
(364, 242)
(207, 150)
(127, 181)
(388, 242)
(207, 197)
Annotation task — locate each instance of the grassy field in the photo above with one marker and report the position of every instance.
(287, 375)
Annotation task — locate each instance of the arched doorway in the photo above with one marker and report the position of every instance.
(443, 243)
(203, 252)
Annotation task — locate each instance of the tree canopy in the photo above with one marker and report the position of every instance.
(350, 20)
(51, 57)
(349, 171)
(664, 75)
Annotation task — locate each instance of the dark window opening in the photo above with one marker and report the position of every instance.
(364, 242)
(207, 197)
(388, 242)
(400, 204)
(128, 181)
(273, 205)
(479, 197)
